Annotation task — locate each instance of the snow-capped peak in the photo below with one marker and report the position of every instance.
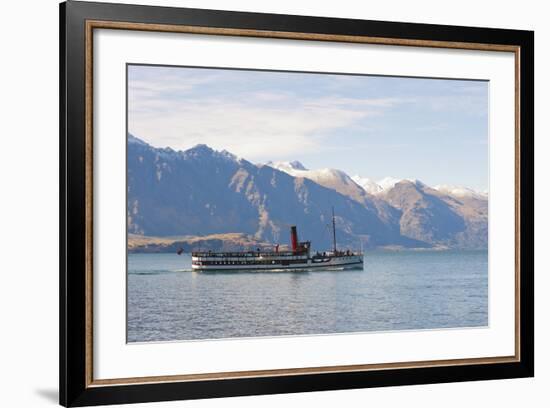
(296, 165)
(383, 185)
(297, 169)
(370, 186)
(324, 177)
(202, 150)
(459, 191)
(341, 182)
(287, 166)
(387, 183)
(330, 178)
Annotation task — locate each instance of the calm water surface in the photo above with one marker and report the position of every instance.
(394, 291)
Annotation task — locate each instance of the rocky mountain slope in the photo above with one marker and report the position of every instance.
(202, 192)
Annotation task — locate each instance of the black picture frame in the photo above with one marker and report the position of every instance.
(75, 388)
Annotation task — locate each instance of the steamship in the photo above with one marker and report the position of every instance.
(299, 258)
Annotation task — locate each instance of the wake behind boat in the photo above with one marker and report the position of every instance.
(300, 257)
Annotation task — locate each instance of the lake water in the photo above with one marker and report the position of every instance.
(394, 291)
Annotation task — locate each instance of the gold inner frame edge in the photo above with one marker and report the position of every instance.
(98, 24)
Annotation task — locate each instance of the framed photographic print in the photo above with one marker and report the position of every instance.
(256, 203)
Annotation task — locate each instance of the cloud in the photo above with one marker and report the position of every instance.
(249, 128)
(260, 115)
(183, 110)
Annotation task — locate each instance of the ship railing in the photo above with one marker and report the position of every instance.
(338, 253)
(248, 254)
(249, 259)
(271, 254)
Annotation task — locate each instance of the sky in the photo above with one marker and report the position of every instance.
(433, 130)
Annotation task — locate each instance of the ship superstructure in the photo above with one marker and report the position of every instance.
(299, 257)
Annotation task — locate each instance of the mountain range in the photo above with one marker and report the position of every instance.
(203, 192)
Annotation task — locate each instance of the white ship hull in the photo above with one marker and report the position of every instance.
(276, 263)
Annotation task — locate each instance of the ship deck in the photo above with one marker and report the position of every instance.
(247, 254)
(272, 260)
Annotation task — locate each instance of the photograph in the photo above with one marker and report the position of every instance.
(266, 203)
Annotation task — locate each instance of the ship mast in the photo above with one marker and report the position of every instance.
(333, 231)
